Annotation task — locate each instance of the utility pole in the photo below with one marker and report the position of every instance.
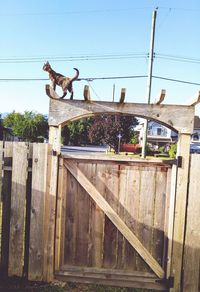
(113, 93)
(149, 80)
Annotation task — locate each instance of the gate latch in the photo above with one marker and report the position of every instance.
(179, 161)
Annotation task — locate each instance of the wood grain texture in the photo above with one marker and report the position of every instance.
(1, 170)
(59, 219)
(180, 210)
(110, 277)
(192, 238)
(178, 117)
(110, 191)
(39, 175)
(50, 202)
(131, 216)
(70, 217)
(82, 220)
(18, 199)
(97, 220)
(6, 204)
(116, 220)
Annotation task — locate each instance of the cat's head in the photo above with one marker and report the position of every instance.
(46, 66)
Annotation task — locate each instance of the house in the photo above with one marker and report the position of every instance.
(159, 135)
(6, 134)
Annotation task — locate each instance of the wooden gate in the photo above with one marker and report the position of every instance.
(113, 221)
(179, 118)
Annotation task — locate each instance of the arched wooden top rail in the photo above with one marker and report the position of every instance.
(177, 117)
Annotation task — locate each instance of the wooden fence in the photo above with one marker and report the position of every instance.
(88, 245)
(23, 194)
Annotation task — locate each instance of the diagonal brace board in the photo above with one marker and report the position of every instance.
(114, 217)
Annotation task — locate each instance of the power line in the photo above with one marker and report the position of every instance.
(136, 55)
(178, 58)
(176, 80)
(89, 79)
(73, 58)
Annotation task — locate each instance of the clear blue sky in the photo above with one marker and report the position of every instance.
(50, 29)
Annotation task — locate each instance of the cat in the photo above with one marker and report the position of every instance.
(60, 80)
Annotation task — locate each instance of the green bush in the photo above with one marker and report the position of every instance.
(172, 151)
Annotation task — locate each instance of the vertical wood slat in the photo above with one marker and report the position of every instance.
(192, 237)
(97, 217)
(1, 165)
(59, 223)
(183, 150)
(82, 220)
(132, 215)
(50, 202)
(70, 215)
(122, 194)
(37, 224)
(109, 181)
(146, 210)
(18, 199)
(170, 222)
(159, 214)
(6, 202)
(63, 217)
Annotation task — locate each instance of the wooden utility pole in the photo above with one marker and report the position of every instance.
(149, 82)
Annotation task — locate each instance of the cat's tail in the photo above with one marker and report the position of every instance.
(76, 75)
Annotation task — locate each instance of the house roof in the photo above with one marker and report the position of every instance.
(196, 122)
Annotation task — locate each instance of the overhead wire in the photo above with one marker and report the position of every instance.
(73, 58)
(90, 79)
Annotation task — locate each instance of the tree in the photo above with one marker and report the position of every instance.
(30, 126)
(76, 133)
(106, 128)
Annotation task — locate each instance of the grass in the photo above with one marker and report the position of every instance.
(21, 285)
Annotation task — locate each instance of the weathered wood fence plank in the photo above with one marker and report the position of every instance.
(6, 200)
(183, 149)
(37, 224)
(1, 165)
(18, 199)
(192, 237)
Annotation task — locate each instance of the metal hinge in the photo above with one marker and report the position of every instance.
(170, 282)
(178, 161)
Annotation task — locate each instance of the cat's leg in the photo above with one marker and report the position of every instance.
(72, 94)
(54, 85)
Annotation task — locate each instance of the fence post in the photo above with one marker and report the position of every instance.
(50, 202)
(191, 258)
(180, 210)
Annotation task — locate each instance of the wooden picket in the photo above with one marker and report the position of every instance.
(37, 223)
(191, 265)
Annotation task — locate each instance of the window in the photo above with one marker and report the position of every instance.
(159, 131)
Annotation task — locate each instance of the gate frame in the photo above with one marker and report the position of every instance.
(180, 118)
